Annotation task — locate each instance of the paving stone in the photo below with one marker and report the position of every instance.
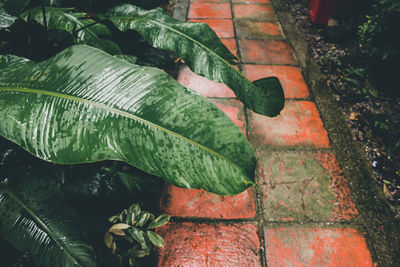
(222, 27)
(300, 186)
(257, 29)
(292, 81)
(191, 245)
(231, 45)
(202, 85)
(253, 11)
(298, 125)
(201, 204)
(234, 109)
(307, 247)
(266, 52)
(209, 10)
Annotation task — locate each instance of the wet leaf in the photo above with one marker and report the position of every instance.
(155, 239)
(84, 31)
(199, 46)
(160, 221)
(37, 220)
(120, 226)
(84, 105)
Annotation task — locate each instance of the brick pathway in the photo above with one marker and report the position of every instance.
(300, 211)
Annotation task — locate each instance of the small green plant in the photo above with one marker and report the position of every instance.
(131, 236)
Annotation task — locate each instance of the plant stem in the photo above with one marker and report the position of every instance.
(87, 26)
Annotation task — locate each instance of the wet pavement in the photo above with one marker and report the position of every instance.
(300, 212)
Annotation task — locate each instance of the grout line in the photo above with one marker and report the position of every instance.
(270, 64)
(309, 223)
(213, 220)
(257, 196)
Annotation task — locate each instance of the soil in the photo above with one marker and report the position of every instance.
(373, 111)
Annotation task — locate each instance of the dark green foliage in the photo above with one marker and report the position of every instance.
(380, 39)
(33, 218)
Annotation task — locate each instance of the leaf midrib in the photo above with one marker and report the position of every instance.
(42, 224)
(114, 110)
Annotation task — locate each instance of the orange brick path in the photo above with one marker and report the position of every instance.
(294, 215)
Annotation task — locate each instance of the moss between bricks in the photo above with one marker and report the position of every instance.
(375, 213)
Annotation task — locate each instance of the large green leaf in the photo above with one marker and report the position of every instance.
(36, 219)
(204, 53)
(84, 105)
(85, 31)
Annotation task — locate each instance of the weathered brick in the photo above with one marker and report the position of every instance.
(266, 52)
(190, 244)
(301, 186)
(298, 125)
(209, 10)
(201, 204)
(306, 247)
(253, 11)
(257, 29)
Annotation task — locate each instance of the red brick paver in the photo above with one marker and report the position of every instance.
(253, 11)
(298, 125)
(301, 186)
(222, 27)
(210, 10)
(190, 244)
(266, 52)
(198, 203)
(309, 247)
(257, 29)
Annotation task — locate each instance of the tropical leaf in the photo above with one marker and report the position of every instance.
(36, 219)
(84, 105)
(85, 31)
(202, 50)
(6, 19)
